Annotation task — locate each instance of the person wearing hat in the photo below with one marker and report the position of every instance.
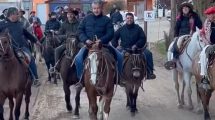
(186, 23)
(68, 27)
(52, 23)
(20, 37)
(208, 36)
(23, 20)
(34, 18)
(116, 17)
(4, 14)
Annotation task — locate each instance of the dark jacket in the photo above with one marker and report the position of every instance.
(116, 17)
(96, 25)
(18, 33)
(130, 35)
(67, 27)
(186, 24)
(212, 37)
(52, 24)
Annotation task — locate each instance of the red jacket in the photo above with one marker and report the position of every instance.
(38, 31)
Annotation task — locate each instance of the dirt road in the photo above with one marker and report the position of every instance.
(158, 102)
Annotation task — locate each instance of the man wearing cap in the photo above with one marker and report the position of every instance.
(23, 20)
(68, 27)
(101, 26)
(4, 14)
(34, 18)
(53, 23)
(186, 24)
(19, 38)
(208, 36)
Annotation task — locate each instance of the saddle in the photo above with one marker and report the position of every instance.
(181, 44)
(24, 57)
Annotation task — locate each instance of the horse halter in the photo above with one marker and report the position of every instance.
(2, 46)
(136, 63)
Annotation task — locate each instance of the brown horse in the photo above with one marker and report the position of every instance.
(14, 78)
(134, 72)
(49, 45)
(68, 73)
(99, 76)
(204, 91)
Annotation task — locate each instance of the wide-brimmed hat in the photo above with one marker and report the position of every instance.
(75, 12)
(21, 10)
(210, 10)
(186, 4)
(32, 12)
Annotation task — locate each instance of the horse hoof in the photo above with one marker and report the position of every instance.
(199, 111)
(189, 108)
(180, 106)
(69, 108)
(76, 117)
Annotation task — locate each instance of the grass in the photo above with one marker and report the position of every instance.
(161, 47)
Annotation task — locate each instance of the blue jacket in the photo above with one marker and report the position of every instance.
(116, 17)
(52, 25)
(96, 25)
(130, 35)
(20, 36)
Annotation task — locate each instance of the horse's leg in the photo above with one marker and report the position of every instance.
(128, 104)
(77, 102)
(67, 96)
(182, 92)
(11, 104)
(187, 78)
(48, 67)
(199, 104)
(175, 78)
(101, 107)
(2, 100)
(27, 100)
(133, 97)
(93, 108)
(107, 105)
(18, 105)
(205, 97)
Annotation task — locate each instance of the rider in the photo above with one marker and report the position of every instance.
(33, 18)
(133, 36)
(23, 20)
(208, 36)
(69, 26)
(186, 24)
(116, 17)
(101, 26)
(53, 23)
(19, 38)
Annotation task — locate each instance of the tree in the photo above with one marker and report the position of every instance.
(109, 5)
(201, 5)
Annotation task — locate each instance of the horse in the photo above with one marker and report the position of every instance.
(204, 91)
(14, 78)
(99, 76)
(134, 72)
(49, 45)
(68, 74)
(184, 68)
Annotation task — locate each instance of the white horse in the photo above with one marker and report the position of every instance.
(184, 67)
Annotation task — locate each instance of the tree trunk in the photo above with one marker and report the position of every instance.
(201, 5)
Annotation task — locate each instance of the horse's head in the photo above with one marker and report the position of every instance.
(5, 44)
(197, 38)
(71, 43)
(95, 61)
(51, 39)
(137, 63)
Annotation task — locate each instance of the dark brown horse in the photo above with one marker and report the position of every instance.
(99, 76)
(68, 73)
(204, 91)
(134, 71)
(49, 45)
(14, 78)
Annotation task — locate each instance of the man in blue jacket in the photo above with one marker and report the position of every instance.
(101, 26)
(132, 36)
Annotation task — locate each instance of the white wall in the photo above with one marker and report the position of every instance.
(42, 13)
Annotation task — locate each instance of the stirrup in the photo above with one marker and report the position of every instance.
(169, 65)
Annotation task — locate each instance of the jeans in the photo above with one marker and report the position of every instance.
(32, 65)
(82, 54)
(149, 61)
